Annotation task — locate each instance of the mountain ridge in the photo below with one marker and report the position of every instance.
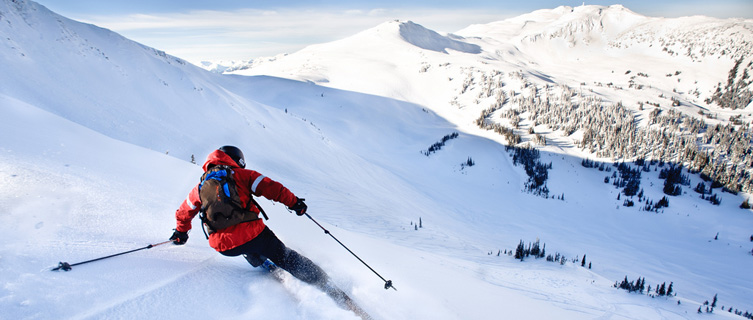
(593, 50)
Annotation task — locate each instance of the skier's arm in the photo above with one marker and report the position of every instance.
(272, 190)
(188, 210)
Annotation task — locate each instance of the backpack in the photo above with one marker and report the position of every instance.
(221, 206)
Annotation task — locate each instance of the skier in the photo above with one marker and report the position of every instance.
(251, 239)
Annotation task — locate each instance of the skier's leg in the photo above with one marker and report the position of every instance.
(306, 270)
(267, 246)
(290, 260)
(254, 259)
(254, 250)
(302, 268)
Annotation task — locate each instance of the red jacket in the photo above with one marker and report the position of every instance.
(247, 182)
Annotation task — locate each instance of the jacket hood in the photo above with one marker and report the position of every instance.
(218, 157)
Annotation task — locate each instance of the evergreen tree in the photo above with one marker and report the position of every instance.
(735, 94)
(632, 186)
(745, 204)
(625, 284)
(527, 252)
(673, 176)
(700, 188)
(535, 250)
(664, 202)
(583, 263)
(519, 254)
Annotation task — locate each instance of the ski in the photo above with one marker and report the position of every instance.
(339, 296)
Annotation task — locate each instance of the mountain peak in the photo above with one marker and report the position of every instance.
(591, 21)
(427, 39)
(398, 33)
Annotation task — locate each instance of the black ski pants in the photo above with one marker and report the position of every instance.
(267, 246)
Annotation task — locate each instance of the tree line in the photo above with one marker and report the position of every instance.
(721, 153)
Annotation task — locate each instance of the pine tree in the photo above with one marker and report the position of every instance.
(669, 290)
(700, 188)
(583, 263)
(519, 254)
(625, 284)
(673, 176)
(536, 249)
(745, 204)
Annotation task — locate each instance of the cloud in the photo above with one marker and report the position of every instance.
(250, 33)
(243, 34)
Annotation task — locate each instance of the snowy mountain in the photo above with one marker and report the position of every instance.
(694, 71)
(379, 132)
(586, 38)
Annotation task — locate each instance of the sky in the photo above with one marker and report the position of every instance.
(224, 30)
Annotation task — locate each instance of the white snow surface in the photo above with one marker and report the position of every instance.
(98, 133)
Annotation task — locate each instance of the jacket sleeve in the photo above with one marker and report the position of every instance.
(270, 189)
(188, 210)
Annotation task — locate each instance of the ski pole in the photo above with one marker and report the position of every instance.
(387, 283)
(67, 267)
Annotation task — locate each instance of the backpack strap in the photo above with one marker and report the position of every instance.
(203, 224)
(223, 172)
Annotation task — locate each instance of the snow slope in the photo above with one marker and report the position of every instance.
(98, 134)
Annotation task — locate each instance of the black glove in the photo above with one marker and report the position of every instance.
(179, 237)
(299, 207)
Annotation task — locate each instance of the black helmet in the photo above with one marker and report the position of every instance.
(235, 154)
